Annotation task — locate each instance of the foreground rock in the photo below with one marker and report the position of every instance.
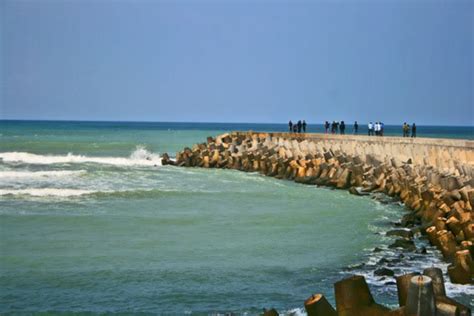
(417, 295)
(384, 272)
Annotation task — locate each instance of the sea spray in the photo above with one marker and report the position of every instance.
(139, 157)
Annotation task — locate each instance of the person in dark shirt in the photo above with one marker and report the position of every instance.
(356, 128)
(413, 130)
(326, 126)
(304, 126)
(299, 126)
(342, 128)
(290, 125)
(295, 128)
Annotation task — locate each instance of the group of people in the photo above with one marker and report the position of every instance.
(339, 127)
(406, 130)
(375, 129)
(297, 127)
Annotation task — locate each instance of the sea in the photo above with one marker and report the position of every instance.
(91, 222)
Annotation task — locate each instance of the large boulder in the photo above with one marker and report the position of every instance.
(405, 244)
(343, 181)
(384, 272)
(165, 160)
(404, 233)
(357, 191)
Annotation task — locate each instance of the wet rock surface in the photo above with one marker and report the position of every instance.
(407, 234)
(405, 244)
(384, 271)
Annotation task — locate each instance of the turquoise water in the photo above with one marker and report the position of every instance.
(91, 222)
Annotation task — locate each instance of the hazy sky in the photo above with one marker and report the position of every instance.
(238, 61)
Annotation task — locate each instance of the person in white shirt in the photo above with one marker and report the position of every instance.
(371, 128)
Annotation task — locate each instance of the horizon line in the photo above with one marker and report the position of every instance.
(200, 122)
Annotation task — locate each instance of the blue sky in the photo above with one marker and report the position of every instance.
(238, 61)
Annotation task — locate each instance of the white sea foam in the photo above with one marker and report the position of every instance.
(140, 157)
(46, 192)
(20, 175)
(295, 312)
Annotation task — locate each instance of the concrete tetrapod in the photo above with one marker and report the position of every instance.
(437, 279)
(317, 305)
(462, 269)
(468, 245)
(353, 298)
(445, 306)
(420, 299)
(444, 309)
(447, 244)
(431, 232)
(443, 301)
(403, 283)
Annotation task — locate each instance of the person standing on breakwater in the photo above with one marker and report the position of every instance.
(326, 126)
(295, 128)
(377, 128)
(299, 126)
(382, 126)
(370, 127)
(356, 128)
(304, 126)
(290, 126)
(405, 129)
(343, 128)
(413, 130)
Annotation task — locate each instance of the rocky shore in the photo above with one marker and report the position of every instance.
(434, 178)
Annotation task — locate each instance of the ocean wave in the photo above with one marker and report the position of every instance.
(139, 157)
(40, 192)
(134, 193)
(18, 175)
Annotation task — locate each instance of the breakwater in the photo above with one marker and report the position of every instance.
(432, 177)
